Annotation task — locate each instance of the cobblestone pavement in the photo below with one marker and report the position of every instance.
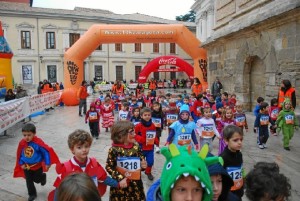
(54, 127)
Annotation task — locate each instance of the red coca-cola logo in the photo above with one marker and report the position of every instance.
(170, 61)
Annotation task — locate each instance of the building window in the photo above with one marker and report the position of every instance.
(25, 40)
(156, 75)
(138, 70)
(73, 37)
(99, 47)
(172, 48)
(119, 73)
(118, 47)
(50, 40)
(138, 47)
(52, 72)
(156, 47)
(99, 72)
(173, 75)
(27, 74)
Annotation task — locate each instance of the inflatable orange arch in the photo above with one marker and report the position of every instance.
(150, 33)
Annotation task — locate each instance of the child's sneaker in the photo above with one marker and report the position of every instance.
(261, 146)
(44, 180)
(31, 197)
(150, 177)
(265, 146)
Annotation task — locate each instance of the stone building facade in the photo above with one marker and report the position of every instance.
(39, 38)
(252, 45)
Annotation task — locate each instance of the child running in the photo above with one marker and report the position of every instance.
(233, 158)
(146, 137)
(287, 122)
(227, 119)
(182, 132)
(124, 113)
(136, 117)
(158, 120)
(206, 129)
(93, 117)
(240, 117)
(261, 125)
(273, 113)
(79, 143)
(33, 158)
(125, 162)
(107, 114)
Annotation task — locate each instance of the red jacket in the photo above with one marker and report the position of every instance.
(142, 132)
(92, 116)
(18, 171)
(82, 93)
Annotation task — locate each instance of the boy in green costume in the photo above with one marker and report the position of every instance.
(287, 122)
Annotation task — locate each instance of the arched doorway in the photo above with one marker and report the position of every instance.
(99, 34)
(257, 80)
(153, 66)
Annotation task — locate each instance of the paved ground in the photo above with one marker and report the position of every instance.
(55, 126)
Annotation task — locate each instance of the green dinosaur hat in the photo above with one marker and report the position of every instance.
(184, 161)
(286, 101)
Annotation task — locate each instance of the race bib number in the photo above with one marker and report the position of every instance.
(240, 121)
(150, 137)
(289, 119)
(171, 118)
(93, 115)
(156, 122)
(184, 139)
(237, 177)
(123, 117)
(264, 120)
(274, 113)
(207, 132)
(130, 167)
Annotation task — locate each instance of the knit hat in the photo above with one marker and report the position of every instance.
(184, 108)
(219, 105)
(184, 161)
(286, 101)
(92, 105)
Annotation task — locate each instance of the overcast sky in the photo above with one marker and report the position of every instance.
(167, 9)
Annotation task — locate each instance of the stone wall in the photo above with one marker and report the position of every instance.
(253, 61)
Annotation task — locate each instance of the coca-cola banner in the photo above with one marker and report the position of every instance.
(166, 64)
(13, 111)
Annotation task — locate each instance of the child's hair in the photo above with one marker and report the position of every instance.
(120, 130)
(125, 104)
(238, 103)
(107, 99)
(78, 186)
(29, 128)
(199, 96)
(193, 94)
(229, 130)
(273, 101)
(265, 182)
(134, 109)
(225, 111)
(187, 97)
(168, 95)
(260, 99)
(179, 96)
(263, 105)
(233, 95)
(80, 137)
(145, 110)
(107, 95)
(225, 94)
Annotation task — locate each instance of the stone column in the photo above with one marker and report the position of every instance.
(210, 20)
(203, 21)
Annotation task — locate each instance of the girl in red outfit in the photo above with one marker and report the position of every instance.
(93, 117)
(107, 114)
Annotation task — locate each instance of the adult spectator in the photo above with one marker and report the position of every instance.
(286, 91)
(196, 87)
(21, 93)
(61, 86)
(216, 87)
(118, 88)
(9, 95)
(152, 84)
(39, 88)
(82, 95)
(46, 87)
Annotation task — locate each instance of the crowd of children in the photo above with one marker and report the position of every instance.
(193, 123)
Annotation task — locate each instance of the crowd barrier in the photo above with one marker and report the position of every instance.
(14, 111)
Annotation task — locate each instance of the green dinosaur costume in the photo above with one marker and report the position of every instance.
(184, 161)
(287, 122)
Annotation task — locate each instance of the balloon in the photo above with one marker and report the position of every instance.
(69, 97)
